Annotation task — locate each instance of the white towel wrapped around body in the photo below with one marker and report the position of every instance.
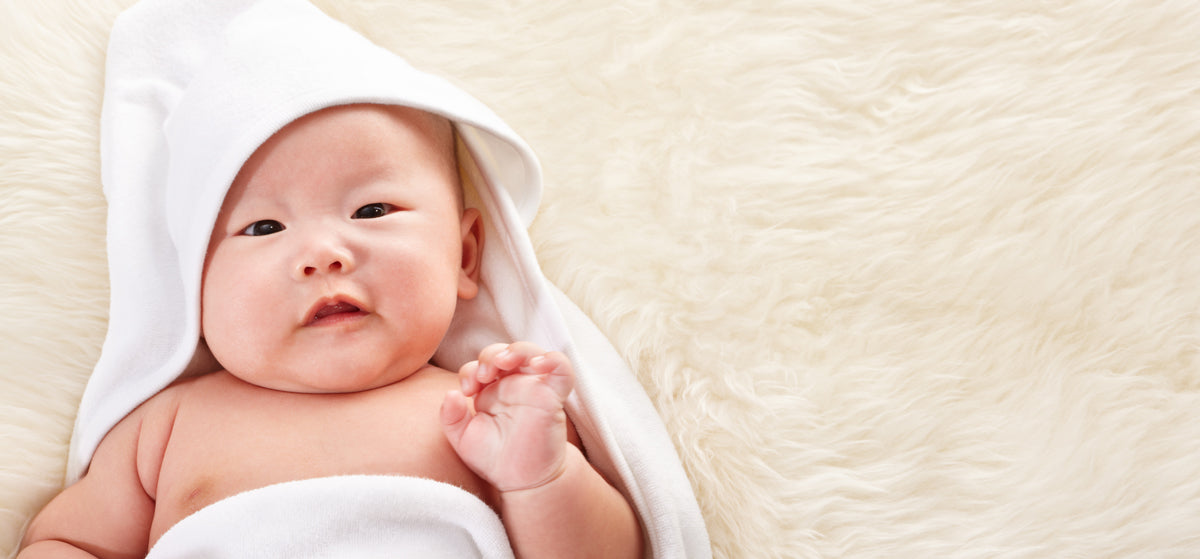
(363, 517)
(192, 89)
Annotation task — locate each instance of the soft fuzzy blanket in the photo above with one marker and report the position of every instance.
(903, 278)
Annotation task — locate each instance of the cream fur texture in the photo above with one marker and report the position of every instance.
(903, 278)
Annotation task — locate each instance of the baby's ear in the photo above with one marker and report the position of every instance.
(472, 253)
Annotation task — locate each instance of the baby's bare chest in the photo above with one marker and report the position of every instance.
(224, 443)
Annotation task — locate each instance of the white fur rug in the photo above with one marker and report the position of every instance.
(904, 278)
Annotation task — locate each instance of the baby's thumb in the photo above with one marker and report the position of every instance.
(455, 415)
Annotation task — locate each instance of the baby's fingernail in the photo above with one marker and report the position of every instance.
(537, 361)
(464, 384)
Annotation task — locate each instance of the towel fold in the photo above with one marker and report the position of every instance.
(363, 517)
(193, 87)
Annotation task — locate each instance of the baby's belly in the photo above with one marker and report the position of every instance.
(196, 492)
(221, 446)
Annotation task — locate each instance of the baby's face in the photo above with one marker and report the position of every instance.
(340, 252)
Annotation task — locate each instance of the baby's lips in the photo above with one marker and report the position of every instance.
(335, 308)
(330, 307)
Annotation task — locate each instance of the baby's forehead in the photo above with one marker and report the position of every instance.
(375, 133)
(376, 119)
(356, 142)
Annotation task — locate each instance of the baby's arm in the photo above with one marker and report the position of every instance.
(108, 512)
(553, 503)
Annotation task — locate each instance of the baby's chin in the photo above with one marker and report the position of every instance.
(341, 382)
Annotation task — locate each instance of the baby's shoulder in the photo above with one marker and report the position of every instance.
(162, 406)
(150, 425)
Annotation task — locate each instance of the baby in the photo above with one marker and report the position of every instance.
(332, 274)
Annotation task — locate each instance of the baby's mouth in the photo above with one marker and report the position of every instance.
(333, 312)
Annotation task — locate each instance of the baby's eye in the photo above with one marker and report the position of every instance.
(263, 227)
(372, 211)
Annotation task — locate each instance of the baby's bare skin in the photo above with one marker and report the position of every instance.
(227, 436)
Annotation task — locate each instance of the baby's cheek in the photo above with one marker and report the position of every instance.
(224, 312)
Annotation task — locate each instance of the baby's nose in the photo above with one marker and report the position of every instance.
(328, 256)
(334, 266)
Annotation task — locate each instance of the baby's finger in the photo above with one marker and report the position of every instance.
(498, 360)
(455, 416)
(468, 378)
(517, 355)
(488, 354)
(488, 370)
(557, 370)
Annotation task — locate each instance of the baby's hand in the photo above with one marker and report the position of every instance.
(515, 434)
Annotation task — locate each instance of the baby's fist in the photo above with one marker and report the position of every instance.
(515, 433)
